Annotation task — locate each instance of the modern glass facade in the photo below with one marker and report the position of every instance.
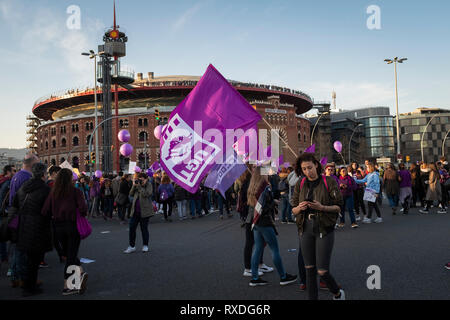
(378, 130)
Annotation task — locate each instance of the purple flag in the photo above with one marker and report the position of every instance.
(324, 161)
(311, 149)
(222, 176)
(188, 152)
(155, 166)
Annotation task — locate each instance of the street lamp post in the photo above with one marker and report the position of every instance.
(93, 55)
(312, 134)
(443, 143)
(395, 61)
(350, 143)
(423, 134)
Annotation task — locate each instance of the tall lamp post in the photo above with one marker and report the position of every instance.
(350, 142)
(395, 61)
(443, 143)
(93, 55)
(423, 134)
(312, 134)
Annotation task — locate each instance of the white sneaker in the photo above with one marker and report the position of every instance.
(264, 268)
(378, 220)
(342, 297)
(358, 218)
(145, 249)
(130, 250)
(367, 220)
(248, 273)
(442, 211)
(402, 209)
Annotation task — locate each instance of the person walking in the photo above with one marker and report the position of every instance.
(94, 194)
(34, 234)
(107, 195)
(392, 186)
(285, 207)
(261, 202)
(347, 186)
(358, 194)
(424, 179)
(180, 196)
(63, 205)
(372, 192)
(141, 211)
(317, 202)
(405, 188)
(5, 183)
(166, 192)
(434, 192)
(122, 199)
(416, 185)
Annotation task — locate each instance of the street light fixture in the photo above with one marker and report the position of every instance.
(312, 134)
(423, 134)
(395, 61)
(443, 143)
(350, 142)
(93, 55)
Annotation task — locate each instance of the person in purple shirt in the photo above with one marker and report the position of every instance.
(347, 186)
(405, 188)
(330, 171)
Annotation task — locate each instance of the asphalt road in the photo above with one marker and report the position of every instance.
(203, 259)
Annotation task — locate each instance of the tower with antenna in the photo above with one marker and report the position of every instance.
(333, 96)
(110, 73)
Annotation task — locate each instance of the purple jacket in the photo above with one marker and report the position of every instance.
(16, 182)
(350, 183)
(95, 190)
(406, 178)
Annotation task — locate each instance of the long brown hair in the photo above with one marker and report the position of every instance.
(256, 183)
(63, 186)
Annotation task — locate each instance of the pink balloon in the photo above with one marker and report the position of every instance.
(337, 146)
(124, 135)
(157, 132)
(98, 174)
(137, 169)
(126, 149)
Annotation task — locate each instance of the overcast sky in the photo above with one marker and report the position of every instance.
(312, 46)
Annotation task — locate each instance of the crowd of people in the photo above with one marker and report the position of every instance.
(47, 202)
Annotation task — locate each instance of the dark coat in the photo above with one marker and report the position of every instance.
(34, 232)
(180, 193)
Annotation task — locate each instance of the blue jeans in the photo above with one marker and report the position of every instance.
(18, 264)
(285, 207)
(393, 200)
(196, 206)
(348, 203)
(261, 235)
(221, 201)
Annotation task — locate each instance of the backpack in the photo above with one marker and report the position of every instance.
(163, 196)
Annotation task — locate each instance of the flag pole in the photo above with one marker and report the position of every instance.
(265, 121)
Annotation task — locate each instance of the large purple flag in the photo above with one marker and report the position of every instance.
(222, 176)
(195, 137)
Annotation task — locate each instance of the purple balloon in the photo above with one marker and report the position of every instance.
(124, 135)
(126, 149)
(149, 172)
(137, 169)
(337, 146)
(98, 174)
(157, 132)
(74, 176)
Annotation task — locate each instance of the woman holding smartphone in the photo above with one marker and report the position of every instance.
(316, 203)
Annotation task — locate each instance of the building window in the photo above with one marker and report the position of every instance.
(139, 122)
(143, 136)
(87, 139)
(63, 142)
(145, 122)
(75, 141)
(46, 145)
(63, 129)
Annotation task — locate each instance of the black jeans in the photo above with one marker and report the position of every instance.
(31, 270)
(317, 253)
(301, 264)
(249, 243)
(67, 235)
(373, 205)
(143, 222)
(167, 208)
(358, 196)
